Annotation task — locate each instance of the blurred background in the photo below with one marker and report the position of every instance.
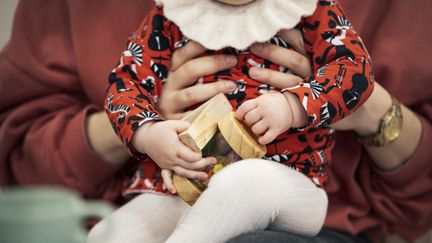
(7, 9)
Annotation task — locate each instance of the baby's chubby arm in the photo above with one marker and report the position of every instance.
(160, 141)
(272, 114)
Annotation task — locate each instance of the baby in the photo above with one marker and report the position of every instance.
(292, 122)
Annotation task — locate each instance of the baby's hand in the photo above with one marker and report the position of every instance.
(167, 180)
(159, 140)
(268, 115)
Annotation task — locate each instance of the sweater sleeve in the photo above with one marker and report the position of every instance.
(134, 85)
(43, 107)
(342, 74)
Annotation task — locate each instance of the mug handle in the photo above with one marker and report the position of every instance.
(95, 209)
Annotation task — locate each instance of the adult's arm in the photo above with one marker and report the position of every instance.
(44, 109)
(367, 121)
(392, 184)
(396, 179)
(403, 173)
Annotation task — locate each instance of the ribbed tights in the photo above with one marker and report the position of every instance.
(246, 196)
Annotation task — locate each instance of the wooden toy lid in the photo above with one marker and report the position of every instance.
(204, 121)
(241, 139)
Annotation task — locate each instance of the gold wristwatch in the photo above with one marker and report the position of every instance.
(389, 127)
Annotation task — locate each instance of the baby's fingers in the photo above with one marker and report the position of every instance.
(268, 137)
(167, 180)
(245, 108)
(253, 116)
(193, 174)
(187, 154)
(259, 128)
(200, 164)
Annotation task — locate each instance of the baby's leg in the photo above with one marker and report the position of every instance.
(148, 218)
(251, 195)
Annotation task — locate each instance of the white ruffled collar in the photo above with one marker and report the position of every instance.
(216, 25)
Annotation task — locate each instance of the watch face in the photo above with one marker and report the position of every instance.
(392, 129)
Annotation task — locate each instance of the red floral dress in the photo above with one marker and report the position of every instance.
(342, 80)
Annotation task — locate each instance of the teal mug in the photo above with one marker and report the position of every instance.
(46, 215)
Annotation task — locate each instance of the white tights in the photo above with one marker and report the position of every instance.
(246, 196)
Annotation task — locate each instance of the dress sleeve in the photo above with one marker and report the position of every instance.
(342, 73)
(43, 107)
(134, 85)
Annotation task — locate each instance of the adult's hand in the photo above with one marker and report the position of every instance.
(295, 60)
(178, 93)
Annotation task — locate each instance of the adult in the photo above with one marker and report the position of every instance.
(53, 130)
